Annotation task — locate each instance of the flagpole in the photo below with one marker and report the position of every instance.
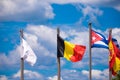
(90, 60)
(58, 58)
(110, 71)
(22, 60)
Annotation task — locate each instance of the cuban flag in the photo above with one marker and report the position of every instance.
(98, 40)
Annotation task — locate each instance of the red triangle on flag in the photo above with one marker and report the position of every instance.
(95, 37)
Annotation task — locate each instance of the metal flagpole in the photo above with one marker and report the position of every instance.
(22, 60)
(90, 60)
(110, 71)
(58, 58)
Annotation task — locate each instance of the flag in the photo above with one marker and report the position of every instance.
(114, 56)
(27, 53)
(69, 51)
(116, 66)
(98, 40)
(117, 46)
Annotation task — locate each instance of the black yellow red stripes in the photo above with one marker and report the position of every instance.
(68, 50)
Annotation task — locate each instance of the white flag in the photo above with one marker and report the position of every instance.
(27, 53)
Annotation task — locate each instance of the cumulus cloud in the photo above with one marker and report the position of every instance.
(80, 64)
(79, 37)
(54, 78)
(45, 33)
(115, 34)
(25, 11)
(72, 74)
(29, 75)
(83, 75)
(97, 74)
(90, 13)
(12, 58)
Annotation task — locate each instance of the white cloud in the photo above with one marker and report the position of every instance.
(45, 33)
(115, 33)
(80, 37)
(31, 38)
(97, 58)
(12, 58)
(80, 64)
(28, 10)
(54, 78)
(97, 74)
(29, 75)
(3, 77)
(90, 13)
(68, 74)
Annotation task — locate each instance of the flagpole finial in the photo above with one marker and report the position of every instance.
(110, 31)
(90, 23)
(21, 33)
(58, 31)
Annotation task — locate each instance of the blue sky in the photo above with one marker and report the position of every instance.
(40, 19)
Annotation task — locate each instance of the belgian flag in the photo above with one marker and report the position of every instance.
(69, 51)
